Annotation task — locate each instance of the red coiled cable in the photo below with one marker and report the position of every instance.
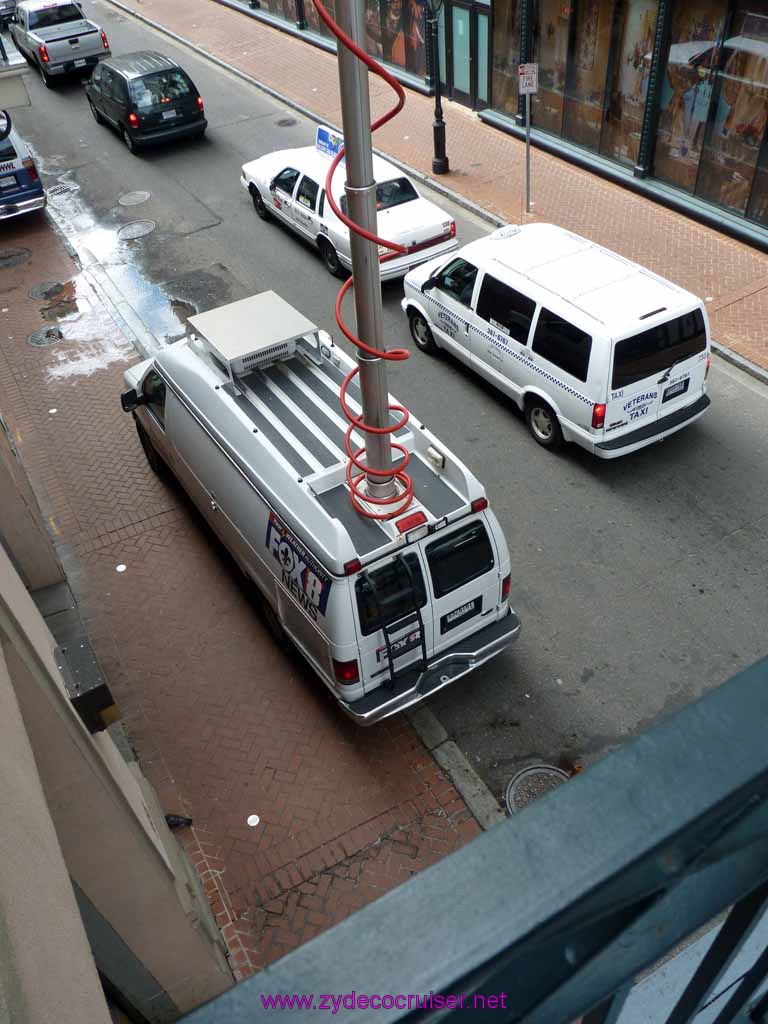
(402, 500)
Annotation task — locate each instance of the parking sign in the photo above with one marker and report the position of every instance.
(529, 79)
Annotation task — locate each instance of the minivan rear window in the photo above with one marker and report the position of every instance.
(459, 558)
(389, 589)
(657, 349)
(159, 88)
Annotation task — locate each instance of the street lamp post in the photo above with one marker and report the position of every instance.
(439, 160)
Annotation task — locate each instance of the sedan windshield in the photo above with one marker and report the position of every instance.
(50, 16)
(161, 87)
(389, 194)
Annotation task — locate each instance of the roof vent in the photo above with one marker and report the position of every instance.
(254, 332)
(508, 231)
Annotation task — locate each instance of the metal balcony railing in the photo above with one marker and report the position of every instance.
(552, 915)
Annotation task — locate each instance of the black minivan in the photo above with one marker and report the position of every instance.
(148, 97)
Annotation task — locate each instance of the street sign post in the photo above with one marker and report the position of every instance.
(528, 85)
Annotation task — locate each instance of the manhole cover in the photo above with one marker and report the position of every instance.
(47, 290)
(286, 122)
(134, 198)
(136, 229)
(531, 783)
(13, 257)
(45, 336)
(64, 188)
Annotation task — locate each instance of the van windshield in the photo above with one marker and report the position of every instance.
(386, 594)
(459, 558)
(653, 351)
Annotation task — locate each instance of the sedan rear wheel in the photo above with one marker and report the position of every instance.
(330, 257)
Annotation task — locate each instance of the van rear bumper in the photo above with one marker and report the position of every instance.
(446, 668)
(652, 432)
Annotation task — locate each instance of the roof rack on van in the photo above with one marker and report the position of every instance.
(251, 333)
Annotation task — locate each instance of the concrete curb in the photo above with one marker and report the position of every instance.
(725, 353)
(476, 795)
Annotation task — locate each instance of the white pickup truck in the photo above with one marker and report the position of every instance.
(54, 36)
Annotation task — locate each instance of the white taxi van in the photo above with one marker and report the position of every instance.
(290, 186)
(592, 347)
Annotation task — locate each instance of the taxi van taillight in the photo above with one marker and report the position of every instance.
(706, 368)
(346, 672)
(598, 415)
(29, 166)
(505, 584)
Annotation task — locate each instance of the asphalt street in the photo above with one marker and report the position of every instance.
(641, 582)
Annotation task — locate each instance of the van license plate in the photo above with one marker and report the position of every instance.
(168, 114)
(80, 63)
(459, 615)
(7, 182)
(675, 390)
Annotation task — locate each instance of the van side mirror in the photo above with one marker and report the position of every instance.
(131, 400)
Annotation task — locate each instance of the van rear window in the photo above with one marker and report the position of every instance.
(655, 350)
(386, 594)
(7, 152)
(459, 558)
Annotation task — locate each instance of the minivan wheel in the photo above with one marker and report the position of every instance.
(96, 115)
(330, 257)
(156, 463)
(258, 203)
(421, 333)
(542, 423)
(129, 143)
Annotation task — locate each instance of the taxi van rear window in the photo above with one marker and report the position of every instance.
(459, 558)
(655, 350)
(7, 152)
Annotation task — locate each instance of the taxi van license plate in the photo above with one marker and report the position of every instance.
(675, 390)
(80, 63)
(168, 114)
(7, 182)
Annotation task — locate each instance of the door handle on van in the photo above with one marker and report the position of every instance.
(214, 505)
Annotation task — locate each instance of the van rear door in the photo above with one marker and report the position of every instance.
(464, 570)
(656, 371)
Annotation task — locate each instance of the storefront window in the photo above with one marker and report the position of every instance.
(313, 18)
(285, 9)
(415, 37)
(586, 73)
(550, 47)
(738, 111)
(634, 29)
(506, 54)
(686, 91)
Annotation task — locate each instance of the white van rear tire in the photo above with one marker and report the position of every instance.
(543, 423)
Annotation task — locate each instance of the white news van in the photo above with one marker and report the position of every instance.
(591, 346)
(245, 412)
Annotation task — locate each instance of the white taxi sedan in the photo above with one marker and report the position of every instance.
(290, 186)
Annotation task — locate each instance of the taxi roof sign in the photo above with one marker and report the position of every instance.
(327, 140)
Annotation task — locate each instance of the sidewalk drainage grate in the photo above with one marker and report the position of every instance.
(136, 229)
(45, 336)
(64, 188)
(531, 783)
(13, 257)
(134, 198)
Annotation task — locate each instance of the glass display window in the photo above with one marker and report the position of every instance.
(506, 54)
(588, 59)
(633, 35)
(551, 33)
(415, 37)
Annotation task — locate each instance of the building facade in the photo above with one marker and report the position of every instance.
(673, 93)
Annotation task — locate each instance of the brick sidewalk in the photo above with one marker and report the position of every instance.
(487, 168)
(226, 724)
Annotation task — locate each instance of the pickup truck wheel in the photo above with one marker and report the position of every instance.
(330, 257)
(421, 333)
(96, 115)
(542, 423)
(47, 80)
(258, 203)
(156, 463)
(130, 145)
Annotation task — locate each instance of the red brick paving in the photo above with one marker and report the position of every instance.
(487, 166)
(225, 723)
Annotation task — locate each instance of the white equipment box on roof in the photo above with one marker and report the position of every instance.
(246, 414)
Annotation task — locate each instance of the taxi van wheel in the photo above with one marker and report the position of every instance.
(96, 115)
(258, 203)
(330, 258)
(156, 464)
(420, 332)
(130, 145)
(542, 423)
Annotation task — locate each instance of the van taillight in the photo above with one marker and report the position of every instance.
(200, 103)
(133, 120)
(709, 363)
(346, 672)
(43, 54)
(479, 504)
(453, 229)
(505, 584)
(598, 415)
(104, 40)
(29, 165)
(350, 568)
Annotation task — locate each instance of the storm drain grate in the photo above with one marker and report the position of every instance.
(134, 198)
(13, 257)
(532, 783)
(136, 229)
(45, 336)
(64, 188)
